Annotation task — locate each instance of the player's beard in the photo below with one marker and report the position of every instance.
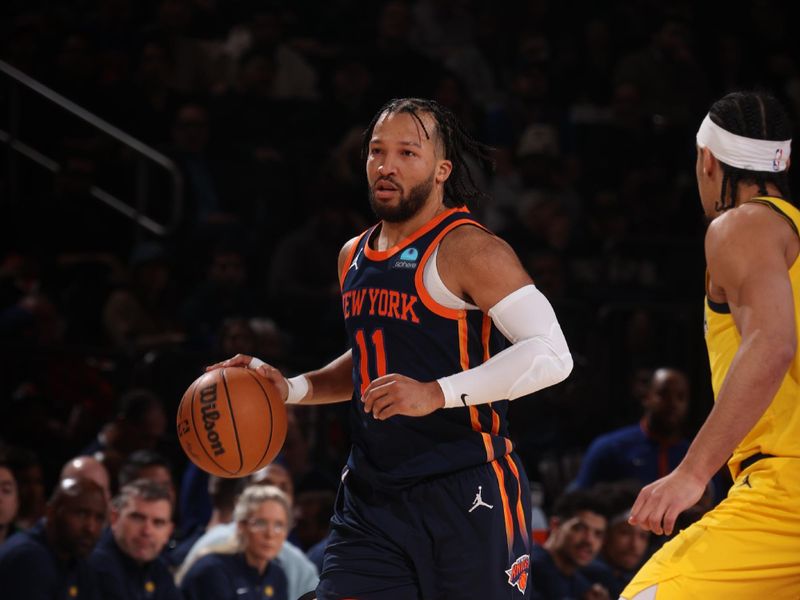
(408, 206)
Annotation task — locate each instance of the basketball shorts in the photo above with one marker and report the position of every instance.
(460, 536)
(747, 547)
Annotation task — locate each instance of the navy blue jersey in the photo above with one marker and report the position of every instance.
(122, 578)
(31, 570)
(394, 326)
(228, 577)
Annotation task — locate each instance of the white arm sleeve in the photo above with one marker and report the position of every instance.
(538, 357)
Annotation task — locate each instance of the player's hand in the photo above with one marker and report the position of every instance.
(267, 371)
(395, 394)
(660, 502)
(596, 592)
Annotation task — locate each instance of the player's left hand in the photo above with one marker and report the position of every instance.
(395, 394)
(660, 502)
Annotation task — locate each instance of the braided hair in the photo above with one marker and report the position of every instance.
(460, 188)
(756, 115)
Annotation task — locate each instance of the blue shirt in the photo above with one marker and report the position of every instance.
(550, 583)
(122, 578)
(229, 577)
(31, 570)
(629, 453)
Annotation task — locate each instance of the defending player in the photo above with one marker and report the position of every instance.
(747, 547)
(429, 299)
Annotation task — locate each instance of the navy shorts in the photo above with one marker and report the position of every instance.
(460, 536)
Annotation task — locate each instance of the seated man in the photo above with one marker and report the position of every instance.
(126, 561)
(88, 467)
(47, 562)
(649, 449)
(625, 546)
(577, 529)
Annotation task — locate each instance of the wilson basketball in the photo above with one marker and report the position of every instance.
(231, 422)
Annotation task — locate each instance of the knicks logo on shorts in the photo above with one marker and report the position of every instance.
(518, 573)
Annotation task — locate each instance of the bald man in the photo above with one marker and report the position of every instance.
(649, 449)
(48, 561)
(87, 467)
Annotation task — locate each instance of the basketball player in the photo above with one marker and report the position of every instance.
(747, 547)
(429, 299)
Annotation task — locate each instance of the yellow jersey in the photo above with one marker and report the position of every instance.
(777, 432)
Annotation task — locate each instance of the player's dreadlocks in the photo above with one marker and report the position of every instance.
(460, 187)
(755, 115)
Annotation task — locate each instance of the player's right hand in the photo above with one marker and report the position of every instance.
(259, 366)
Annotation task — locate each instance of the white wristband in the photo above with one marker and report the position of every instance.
(298, 388)
(255, 363)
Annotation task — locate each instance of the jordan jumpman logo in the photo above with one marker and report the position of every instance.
(479, 501)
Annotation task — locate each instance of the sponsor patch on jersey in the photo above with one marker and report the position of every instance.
(409, 254)
(518, 573)
(407, 260)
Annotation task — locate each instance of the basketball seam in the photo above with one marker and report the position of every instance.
(235, 430)
(271, 420)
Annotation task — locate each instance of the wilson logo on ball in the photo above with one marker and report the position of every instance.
(208, 399)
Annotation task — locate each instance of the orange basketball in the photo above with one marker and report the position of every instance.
(231, 422)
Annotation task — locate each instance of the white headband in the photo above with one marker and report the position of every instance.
(743, 152)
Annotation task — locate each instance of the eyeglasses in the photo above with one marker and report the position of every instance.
(264, 525)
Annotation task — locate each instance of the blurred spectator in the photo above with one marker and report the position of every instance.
(9, 500)
(140, 423)
(247, 568)
(48, 562)
(294, 77)
(577, 528)
(88, 467)
(126, 560)
(650, 449)
(27, 471)
(672, 83)
(151, 466)
(221, 294)
(312, 515)
(139, 314)
(300, 572)
(625, 546)
(222, 494)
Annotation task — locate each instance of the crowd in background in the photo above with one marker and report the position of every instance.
(591, 109)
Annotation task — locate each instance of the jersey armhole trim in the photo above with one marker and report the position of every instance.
(427, 300)
(349, 260)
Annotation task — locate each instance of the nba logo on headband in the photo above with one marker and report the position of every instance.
(776, 162)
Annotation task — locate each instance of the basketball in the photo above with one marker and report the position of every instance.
(231, 422)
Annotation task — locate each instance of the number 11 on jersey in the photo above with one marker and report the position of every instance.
(363, 355)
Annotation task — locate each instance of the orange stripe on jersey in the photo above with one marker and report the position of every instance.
(487, 439)
(486, 331)
(463, 340)
(501, 485)
(520, 511)
(349, 260)
(427, 299)
(373, 254)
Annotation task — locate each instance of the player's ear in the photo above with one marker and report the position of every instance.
(708, 161)
(443, 170)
